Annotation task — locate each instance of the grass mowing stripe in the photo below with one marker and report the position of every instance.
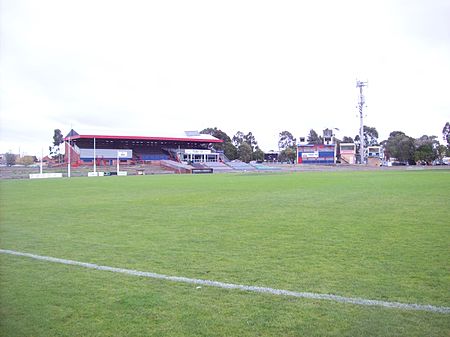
(217, 284)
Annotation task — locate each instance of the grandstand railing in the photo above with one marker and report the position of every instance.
(173, 154)
(75, 148)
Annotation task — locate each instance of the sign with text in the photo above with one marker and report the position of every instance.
(195, 151)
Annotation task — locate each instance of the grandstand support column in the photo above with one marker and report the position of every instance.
(42, 157)
(95, 159)
(118, 164)
(68, 163)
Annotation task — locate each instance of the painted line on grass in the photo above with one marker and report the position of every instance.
(217, 284)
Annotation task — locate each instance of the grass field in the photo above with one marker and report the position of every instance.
(377, 235)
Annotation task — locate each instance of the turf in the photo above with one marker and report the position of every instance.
(379, 235)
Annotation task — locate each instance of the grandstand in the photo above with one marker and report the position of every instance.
(106, 149)
(190, 152)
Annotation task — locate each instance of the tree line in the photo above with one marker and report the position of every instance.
(400, 146)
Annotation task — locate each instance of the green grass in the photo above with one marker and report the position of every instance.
(378, 235)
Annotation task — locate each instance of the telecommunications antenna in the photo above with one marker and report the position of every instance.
(361, 104)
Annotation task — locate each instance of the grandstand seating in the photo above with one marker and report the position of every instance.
(199, 165)
(174, 165)
(149, 154)
(240, 166)
(155, 156)
(218, 167)
(261, 167)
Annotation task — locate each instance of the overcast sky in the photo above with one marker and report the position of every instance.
(162, 67)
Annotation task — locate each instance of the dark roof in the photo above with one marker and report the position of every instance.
(72, 134)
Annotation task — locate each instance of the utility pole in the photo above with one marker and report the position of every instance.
(361, 103)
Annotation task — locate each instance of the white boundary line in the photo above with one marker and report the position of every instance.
(315, 296)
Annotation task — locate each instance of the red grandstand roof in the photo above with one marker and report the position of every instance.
(199, 138)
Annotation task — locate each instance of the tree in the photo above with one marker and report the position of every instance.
(10, 158)
(245, 152)
(426, 149)
(314, 138)
(26, 160)
(288, 146)
(286, 140)
(230, 151)
(370, 137)
(58, 139)
(258, 155)
(425, 153)
(227, 146)
(446, 133)
(347, 140)
(288, 155)
(238, 139)
(219, 134)
(399, 146)
(442, 151)
(250, 139)
(427, 140)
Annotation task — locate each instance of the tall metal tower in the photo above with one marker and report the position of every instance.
(361, 104)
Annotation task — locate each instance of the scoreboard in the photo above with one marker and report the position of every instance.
(316, 154)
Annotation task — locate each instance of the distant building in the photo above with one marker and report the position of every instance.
(316, 154)
(271, 156)
(374, 156)
(348, 153)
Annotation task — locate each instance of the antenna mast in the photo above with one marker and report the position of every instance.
(361, 103)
